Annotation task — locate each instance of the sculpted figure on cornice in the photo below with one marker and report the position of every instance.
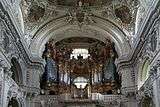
(110, 67)
(51, 72)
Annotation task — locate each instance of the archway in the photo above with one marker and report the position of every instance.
(143, 71)
(59, 29)
(14, 103)
(147, 102)
(16, 71)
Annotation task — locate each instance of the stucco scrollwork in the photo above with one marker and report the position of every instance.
(4, 39)
(151, 46)
(153, 40)
(153, 72)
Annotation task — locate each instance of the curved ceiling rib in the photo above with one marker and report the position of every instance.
(59, 29)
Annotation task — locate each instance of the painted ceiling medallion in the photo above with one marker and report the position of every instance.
(36, 12)
(123, 13)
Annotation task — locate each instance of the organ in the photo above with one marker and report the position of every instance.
(94, 62)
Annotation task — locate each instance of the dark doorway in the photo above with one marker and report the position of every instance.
(13, 103)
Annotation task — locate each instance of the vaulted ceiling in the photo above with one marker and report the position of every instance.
(60, 19)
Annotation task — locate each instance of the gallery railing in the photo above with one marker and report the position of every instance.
(95, 97)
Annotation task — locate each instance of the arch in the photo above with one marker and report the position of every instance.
(16, 71)
(14, 103)
(80, 82)
(57, 28)
(147, 102)
(144, 68)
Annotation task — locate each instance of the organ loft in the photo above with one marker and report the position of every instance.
(71, 68)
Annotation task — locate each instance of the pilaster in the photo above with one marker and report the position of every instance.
(128, 88)
(1, 86)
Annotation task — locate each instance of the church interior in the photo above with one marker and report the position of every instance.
(79, 53)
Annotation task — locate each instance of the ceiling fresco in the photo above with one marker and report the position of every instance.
(115, 19)
(121, 12)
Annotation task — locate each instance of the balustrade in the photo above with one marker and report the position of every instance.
(95, 97)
